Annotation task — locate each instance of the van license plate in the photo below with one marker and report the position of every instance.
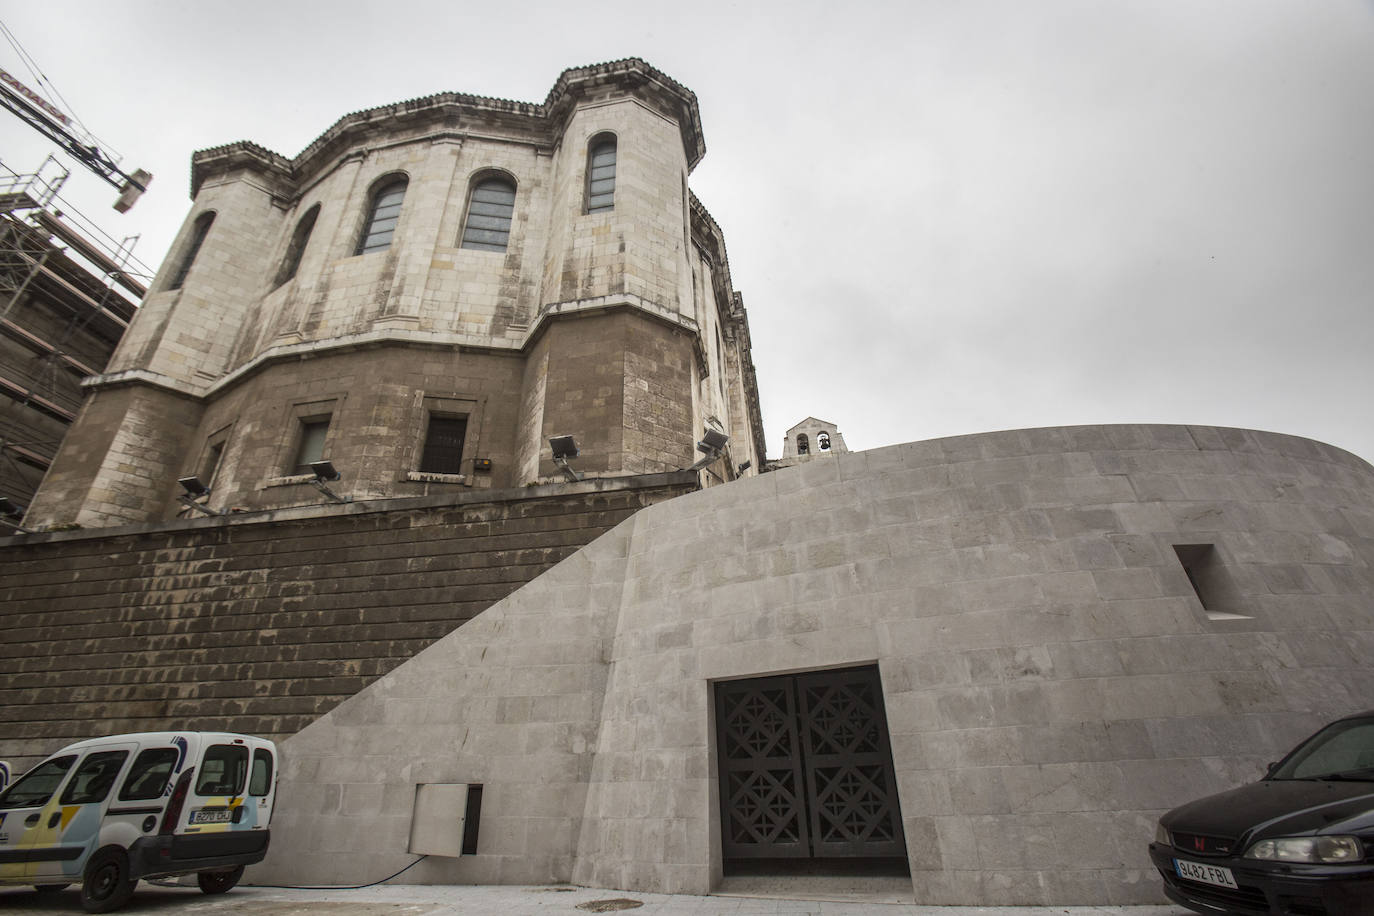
(213, 816)
(1214, 875)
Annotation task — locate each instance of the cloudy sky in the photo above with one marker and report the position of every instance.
(945, 217)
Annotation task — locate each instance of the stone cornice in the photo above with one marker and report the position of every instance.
(539, 123)
(392, 336)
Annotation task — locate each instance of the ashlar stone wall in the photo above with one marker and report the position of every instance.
(1051, 678)
(259, 624)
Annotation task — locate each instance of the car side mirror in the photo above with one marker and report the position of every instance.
(1269, 770)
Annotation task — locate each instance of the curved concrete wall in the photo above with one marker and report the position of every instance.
(1052, 681)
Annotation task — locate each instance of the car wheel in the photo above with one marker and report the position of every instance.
(50, 888)
(107, 885)
(217, 882)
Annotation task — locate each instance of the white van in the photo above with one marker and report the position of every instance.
(109, 811)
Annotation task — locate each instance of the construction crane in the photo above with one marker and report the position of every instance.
(49, 120)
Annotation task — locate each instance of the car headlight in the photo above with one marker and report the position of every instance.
(1328, 850)
(1162, 835)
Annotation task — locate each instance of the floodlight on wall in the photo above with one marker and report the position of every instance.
(195, 490)
(711, 445)
(564, 448)
(325, 472)
(743, 467)
(12, 514)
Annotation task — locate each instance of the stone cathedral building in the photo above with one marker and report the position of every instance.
(424, 296)
(981, 665)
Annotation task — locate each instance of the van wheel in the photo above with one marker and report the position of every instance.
(50, 888)
(217, 882)
(107, 885)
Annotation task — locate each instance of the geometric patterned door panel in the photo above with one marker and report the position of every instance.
(806, 767)
(761, 785)
(848, 763)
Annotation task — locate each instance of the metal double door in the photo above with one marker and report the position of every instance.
(806, 767)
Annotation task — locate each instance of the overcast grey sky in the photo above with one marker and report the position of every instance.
(945, 217)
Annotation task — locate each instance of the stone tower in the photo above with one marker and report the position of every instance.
(423, 297)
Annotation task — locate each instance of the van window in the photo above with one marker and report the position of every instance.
(223, 770)
(149, 774)
(94, 778)
(38, 785)
(261, 782)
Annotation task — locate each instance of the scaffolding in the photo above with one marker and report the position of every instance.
(67, 294)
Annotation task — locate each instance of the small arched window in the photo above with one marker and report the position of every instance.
(823, 441)
(601, 174)
(383, 214)
(296, 249)
(490, 209)
(803, 444)
(188, 256)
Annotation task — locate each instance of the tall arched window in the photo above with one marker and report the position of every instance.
(294, 251)
(490, 209)
(803, 444)
(188, 257)
(601, 174)
(382, 217)
(823, 441)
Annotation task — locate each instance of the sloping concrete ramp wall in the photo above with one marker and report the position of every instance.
(1051, 678)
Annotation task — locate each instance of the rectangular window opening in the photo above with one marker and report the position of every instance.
(1206, 574)
(211, 466)
(311, 447)
(443, 451)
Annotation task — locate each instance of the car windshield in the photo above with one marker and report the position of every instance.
(38, 784)
(1342, 750)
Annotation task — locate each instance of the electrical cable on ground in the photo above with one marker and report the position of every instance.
(341, 887)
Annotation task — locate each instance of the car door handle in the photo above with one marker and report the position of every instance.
(56, 816)
(32, 819)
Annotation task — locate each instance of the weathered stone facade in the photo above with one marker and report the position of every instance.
(617, 326)
(1051, 678)
(259, 624)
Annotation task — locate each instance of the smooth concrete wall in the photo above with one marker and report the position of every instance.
(1052, 682)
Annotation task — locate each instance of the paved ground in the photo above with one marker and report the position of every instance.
(419, 900)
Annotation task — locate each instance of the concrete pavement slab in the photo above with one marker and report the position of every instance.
(509, 900)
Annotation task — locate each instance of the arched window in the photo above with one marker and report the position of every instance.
(803, 444)
(823, 441)
(601, 174)
(489, 214)
(294, 251)
(188, 257)
(382, 217)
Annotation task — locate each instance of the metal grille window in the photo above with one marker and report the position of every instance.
(489, 215)
(198, 233)
(311, 448)
(443, 452)
(294, 251)
(386, 211)
(601, 175)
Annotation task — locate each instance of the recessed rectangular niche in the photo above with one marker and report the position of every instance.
(1213, 587)
(444, 821)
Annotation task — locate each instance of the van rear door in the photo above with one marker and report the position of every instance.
(216, 797)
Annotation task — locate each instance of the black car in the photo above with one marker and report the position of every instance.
(1300, 842)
